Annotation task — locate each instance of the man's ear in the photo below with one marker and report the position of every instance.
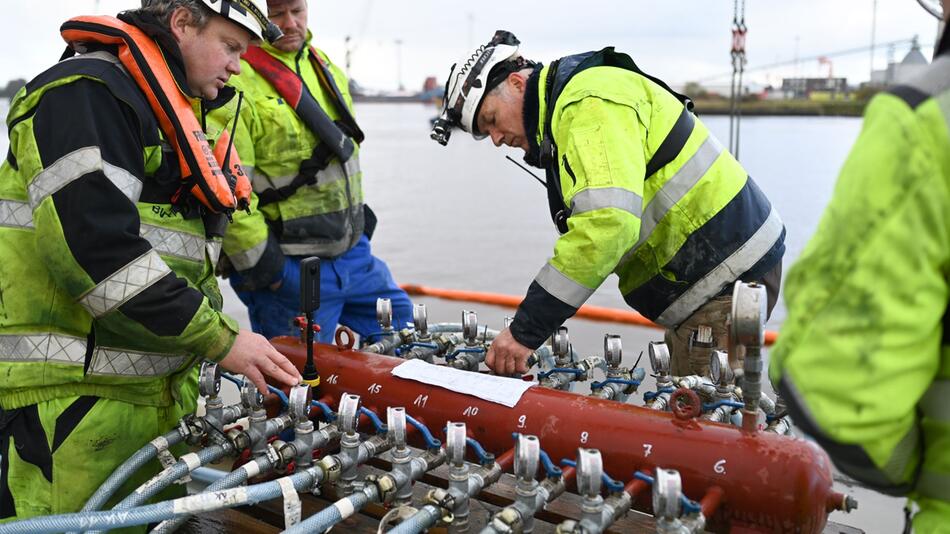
(518, 82)
(179, 22)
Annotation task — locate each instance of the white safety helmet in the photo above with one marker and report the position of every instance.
(934, 7)
(468, 84)
(249, 14)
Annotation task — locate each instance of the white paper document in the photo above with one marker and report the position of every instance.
(497, 389)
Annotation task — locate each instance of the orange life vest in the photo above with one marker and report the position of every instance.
(202, 176)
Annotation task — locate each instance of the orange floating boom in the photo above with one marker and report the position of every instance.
(593, 313)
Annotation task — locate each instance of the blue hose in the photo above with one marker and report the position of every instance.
(154, 513)
(431, 442)
(126, 470)
(624, 381)
(329, 516)
(427, 516)
(566, 370)
(551, 470)
(167, 477)
(380, 427)
(232, 479)
(328, 414)
(650, 395)
(722, 402)
(239, 382)
(613, 486)
(689, 506)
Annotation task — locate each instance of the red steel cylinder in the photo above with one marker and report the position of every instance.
(769, 483)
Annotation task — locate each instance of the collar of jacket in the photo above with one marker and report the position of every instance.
(287, 57)
(150, 25)
(531, 116)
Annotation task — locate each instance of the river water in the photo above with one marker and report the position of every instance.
(463, 217)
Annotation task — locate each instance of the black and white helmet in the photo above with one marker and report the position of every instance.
(934, 7)
(468, 84)
(249, 14)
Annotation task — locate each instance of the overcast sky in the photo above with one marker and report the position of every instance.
(679, 41)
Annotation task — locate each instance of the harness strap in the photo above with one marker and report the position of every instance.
(145, 62)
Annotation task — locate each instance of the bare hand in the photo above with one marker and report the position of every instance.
(506, 356)
(253, 356)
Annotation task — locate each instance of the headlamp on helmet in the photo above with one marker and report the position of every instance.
(468, 83)
(934, 7)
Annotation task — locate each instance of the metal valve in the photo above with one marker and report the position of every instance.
(299, 402)
(469, 326)
(561, 344)
(749, 311)
(455, 438)
(527, 455)
(667, 489)
(420, 319)
(590, 470)
(613, 350)
(209, 379)
(349, 413)
(384, 313)
(659, 358)
(250, 396)
(396, 426)
(719, 369)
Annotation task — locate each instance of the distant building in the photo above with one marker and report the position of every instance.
(913, 63)
(815, 88)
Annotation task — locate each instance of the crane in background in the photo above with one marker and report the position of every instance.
(351, 42)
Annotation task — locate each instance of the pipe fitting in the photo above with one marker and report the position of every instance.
(348, 416)
(384, 314)
(507, 521)
(469, 327)
(420, 322)
(209, 379)
(331, 468)
(299, 402)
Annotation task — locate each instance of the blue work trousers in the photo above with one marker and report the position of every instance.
(349, 287)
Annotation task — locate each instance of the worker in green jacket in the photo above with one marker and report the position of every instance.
(109, 299)
(863, 359)
(299, 143)
(637, 186)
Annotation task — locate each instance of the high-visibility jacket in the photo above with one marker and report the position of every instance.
(647, 193)
(863, 360)
(107, 290)
(324, 218)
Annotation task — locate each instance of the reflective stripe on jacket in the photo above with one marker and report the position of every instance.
(106, 291)
(864, 359)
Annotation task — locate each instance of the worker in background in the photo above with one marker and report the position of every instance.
(109, 298)
(636, 186)
(299, 143)
(863, 359)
